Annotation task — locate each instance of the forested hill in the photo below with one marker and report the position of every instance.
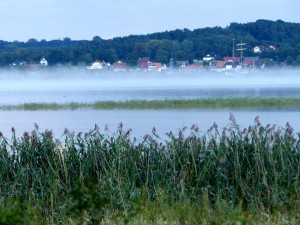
(161, 47)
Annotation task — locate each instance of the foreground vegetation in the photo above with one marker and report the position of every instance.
(225, 176)
(212, 103)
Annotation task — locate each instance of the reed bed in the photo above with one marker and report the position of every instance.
(222, 176)
(211, 103)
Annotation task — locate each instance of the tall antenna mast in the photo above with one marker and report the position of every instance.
(241, 47)
(233, 48)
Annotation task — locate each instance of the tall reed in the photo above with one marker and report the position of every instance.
(257, 167)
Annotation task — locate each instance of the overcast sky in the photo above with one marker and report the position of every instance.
(78, 19)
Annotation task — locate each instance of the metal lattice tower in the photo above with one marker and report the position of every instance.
(241, 47)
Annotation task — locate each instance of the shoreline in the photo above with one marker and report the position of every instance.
(213, 103)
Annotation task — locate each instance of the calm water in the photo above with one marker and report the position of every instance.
(141, 121)
(62, 86)
(90, 96)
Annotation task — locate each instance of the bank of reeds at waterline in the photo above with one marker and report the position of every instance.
(205, 103)
(220, 176)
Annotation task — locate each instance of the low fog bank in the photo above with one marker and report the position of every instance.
(72, 84)
(82, 79)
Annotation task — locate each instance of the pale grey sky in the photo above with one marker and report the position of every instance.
(77, 19)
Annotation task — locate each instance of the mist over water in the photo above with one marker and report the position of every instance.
(65, 85)
(80, 85)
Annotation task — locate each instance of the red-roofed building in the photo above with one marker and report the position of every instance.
(251, 62)
(143, 62)
(119, 66)
(220, 64)
(192, 67)
(154, 67)
(248, 61)
(231, 59)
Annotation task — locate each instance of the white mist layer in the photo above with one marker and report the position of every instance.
(79, 85)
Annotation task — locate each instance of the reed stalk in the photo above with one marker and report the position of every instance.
(256, 168)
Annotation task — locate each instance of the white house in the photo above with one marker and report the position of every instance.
(208, 58)
(97, 65)
(257, 49)
(44, 62)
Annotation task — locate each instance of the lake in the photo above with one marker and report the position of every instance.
(140, 121)
(64, 86)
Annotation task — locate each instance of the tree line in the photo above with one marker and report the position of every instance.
(179, 44)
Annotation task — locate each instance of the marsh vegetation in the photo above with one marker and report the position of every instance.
(250, 175)
(211, 103)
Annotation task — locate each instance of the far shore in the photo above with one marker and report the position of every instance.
(211, 103)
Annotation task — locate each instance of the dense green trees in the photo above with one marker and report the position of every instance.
(160, 47)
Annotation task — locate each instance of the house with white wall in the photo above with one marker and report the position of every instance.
(44, 62)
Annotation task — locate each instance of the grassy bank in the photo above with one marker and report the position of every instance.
(250, 176)
(219, 103)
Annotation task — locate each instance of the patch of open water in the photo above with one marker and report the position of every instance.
(140, 121)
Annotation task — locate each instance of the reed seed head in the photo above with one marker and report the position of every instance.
(232, 118)
(36, 126)
(66, 131)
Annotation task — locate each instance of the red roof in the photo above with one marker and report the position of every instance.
(233, 59)
(220, 64)
(144, 65)
(119, 65)
(157, 65)
(248, 61)
(193, 66)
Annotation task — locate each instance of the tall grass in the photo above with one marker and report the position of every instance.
(89, 175)
(212, 103)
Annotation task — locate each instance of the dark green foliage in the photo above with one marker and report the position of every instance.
(160, 47)
(87, 199)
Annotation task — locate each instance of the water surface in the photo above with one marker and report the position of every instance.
(73, 85)
(140, 121)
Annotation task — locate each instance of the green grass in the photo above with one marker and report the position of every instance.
(226, 176)
(212, 103)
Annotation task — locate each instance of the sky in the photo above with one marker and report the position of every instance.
(82, 20)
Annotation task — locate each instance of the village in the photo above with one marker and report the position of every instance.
(207, 63)
(210, 62)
